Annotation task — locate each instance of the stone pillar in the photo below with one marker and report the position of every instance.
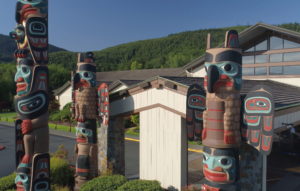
(251, 164)
(111, 147)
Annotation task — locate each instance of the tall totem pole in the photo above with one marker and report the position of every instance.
(221, 134)
(85, 101)
(223, 131)
(32, 99)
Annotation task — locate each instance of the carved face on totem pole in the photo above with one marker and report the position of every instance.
(194, 111)
(223, 83)
(223, 66)
(258, 118)
(85, 76)
(220, 165)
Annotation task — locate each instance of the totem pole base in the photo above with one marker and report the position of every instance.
(251, 164)
(111, 148)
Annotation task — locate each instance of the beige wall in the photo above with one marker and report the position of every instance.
(290, 81)
(122, 87)
(197, 72)
(65, 97)
(286, 118)
(163, 151)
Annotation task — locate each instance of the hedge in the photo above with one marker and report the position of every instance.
(61, 173)
(8, 182)
(141, 185)
(104, 183)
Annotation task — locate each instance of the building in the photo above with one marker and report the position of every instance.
(271, 57)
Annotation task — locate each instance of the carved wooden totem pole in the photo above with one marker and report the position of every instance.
(221, 134)
(32, 99)
(85, 113)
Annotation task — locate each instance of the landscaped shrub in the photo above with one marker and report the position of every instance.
(141, 185)
(104, 183)
(61, 174)
(55, 187)
(8, 182)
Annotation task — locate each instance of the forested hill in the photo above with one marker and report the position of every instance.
(175, 50)
(172, 51)
(8, 47)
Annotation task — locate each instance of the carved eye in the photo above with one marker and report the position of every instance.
(85, 74)
(261, 104)
(228, 67)
(224, 161)
(25, 70)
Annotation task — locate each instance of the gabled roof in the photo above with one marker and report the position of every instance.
(138, 74)
(245, 38)
(126, 83)
(284, 95)
(61, 89)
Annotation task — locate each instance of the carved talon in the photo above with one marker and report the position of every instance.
(26, 126)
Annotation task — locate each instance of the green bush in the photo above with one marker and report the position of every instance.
(63, 115)
(8, 182)
(61, 174)
(104, 183)
(55, 187)
(141, 185)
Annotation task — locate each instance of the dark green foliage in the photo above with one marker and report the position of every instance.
(61, 173)
(63, 115)
(7, 182)
(135, 119)
(141, 185)
(104, 183)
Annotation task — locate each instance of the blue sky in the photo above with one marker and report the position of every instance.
(84, 25)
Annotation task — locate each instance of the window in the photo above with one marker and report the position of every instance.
(290, 44)
(276, 43)
(291, 56)
(248, 71)
(262, 46)
(261, 59)
(291, 70)
(276, 70)
(260, 71)
(248, 60)
(276, 57)
(250, 49)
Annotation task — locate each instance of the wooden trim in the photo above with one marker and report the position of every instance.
(297, 63)
(183, 115)
(264, 77)
(267, 52)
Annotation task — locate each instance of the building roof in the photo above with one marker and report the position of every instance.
(284, 95)
(61, 89)
(138, 74)
(245, 38)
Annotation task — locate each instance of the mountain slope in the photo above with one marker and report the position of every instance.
(8, 46)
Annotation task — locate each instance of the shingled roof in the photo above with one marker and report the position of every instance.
(284, 95)
(139, 74)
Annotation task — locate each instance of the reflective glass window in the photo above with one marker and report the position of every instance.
(276, 70)
(276, 57)
(250, 49)
(248, 59)
(290, 44)
(276, 43)
(291, 70)
(248, 71)
(262, 46)
(261, 59)
(291, 56)
(260, 71)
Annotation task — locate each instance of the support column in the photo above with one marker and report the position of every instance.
(111, 147)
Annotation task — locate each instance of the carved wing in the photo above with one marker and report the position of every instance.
(103, 103)
(40, 173)
(258, 119)
(195, 105)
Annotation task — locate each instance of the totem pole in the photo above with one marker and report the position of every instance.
(224, 152)
(221, 134)
(85, 113)
(32, 99)
(195, 106)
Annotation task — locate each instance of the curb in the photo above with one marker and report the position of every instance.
(192, 148)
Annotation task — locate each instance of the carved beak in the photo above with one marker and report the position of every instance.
(212, 78)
